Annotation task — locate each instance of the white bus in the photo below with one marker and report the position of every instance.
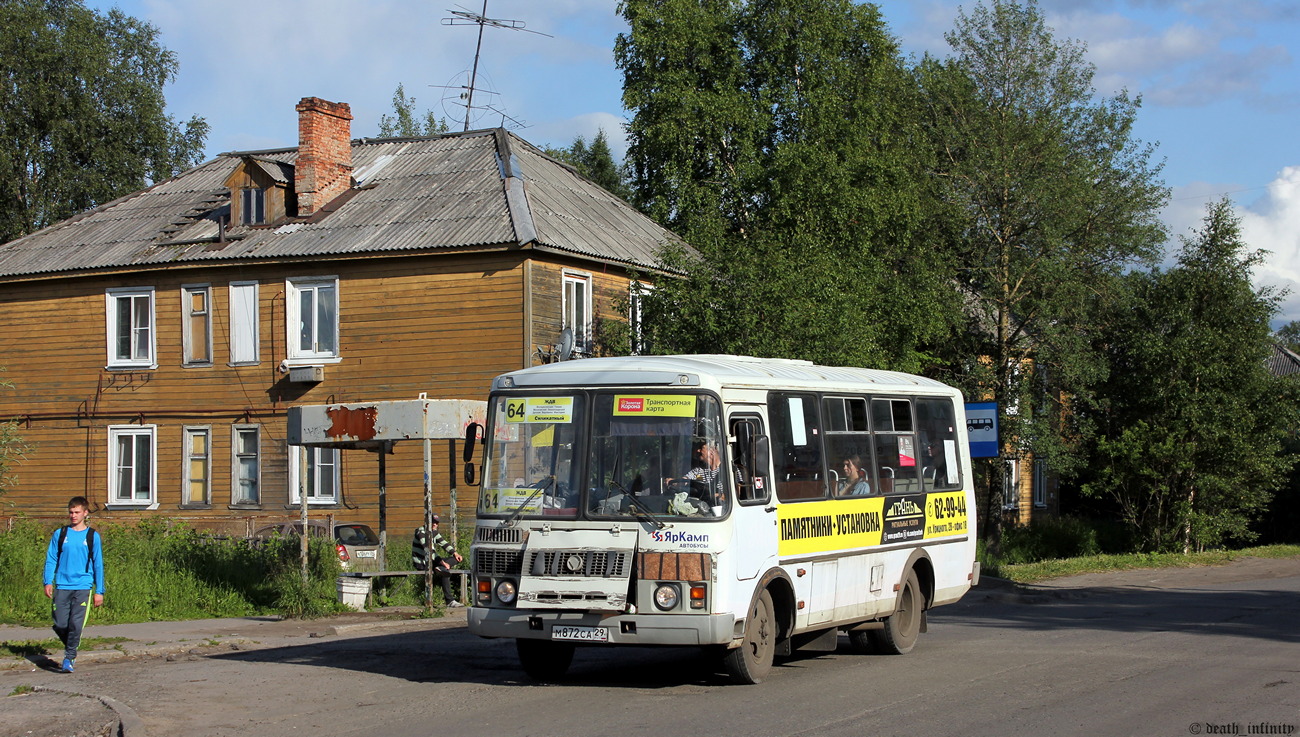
(753, 506)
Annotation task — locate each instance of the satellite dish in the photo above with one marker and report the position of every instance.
(566, 344)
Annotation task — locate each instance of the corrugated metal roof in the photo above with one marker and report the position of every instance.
(412, 194)
(1282, 361)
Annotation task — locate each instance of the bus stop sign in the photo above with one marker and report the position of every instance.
(982, 427)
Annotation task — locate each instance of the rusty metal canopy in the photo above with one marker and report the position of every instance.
(369, 425)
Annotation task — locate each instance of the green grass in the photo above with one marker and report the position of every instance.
(157, 571)
(1059, 568)
(160, 572)
(20, 690)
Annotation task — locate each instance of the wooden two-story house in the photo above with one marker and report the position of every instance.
(155, 343)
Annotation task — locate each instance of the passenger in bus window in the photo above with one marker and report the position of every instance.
(934, 464)
(855, 481)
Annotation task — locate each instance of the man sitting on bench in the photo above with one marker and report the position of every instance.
(441, 568)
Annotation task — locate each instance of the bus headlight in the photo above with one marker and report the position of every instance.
(667, 596)
(506, 592)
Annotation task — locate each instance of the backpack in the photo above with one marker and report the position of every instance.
(90, 547)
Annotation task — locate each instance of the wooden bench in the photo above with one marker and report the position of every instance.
(461, 573)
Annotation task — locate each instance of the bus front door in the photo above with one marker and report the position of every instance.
(754, 530)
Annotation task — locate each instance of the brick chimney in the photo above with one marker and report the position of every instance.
(324, 168)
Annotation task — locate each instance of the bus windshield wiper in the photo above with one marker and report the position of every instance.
(543, 486)
(640, 505)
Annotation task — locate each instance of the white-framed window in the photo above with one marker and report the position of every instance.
(313, 320)
(316, 472)
(1040, 483)
(246, 465)
(196, 315)
(1011, 484)
(130, 327)
(253, 206)
(244, 331)
(636, 293)
(196, 473)
(577, 310)
(132, 471)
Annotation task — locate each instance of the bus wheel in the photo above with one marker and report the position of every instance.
(861, 642)
(544, 660)
(751, 662)
(903, 626)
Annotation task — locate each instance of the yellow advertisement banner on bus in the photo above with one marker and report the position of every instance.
(654, 405)
(945, 515)
(500, 501)
(540, 409)
(840, 524)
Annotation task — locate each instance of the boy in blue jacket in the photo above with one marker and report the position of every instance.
(74, 567)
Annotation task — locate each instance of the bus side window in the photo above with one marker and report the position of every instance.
(797, 447)
(937, 423)
(895, 445)
(848, 444)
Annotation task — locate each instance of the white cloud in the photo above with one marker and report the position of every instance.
(1273, 224)
(1184, 54)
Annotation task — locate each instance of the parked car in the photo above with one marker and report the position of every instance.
(356, 544)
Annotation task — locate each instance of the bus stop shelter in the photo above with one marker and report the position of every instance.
(378, 426)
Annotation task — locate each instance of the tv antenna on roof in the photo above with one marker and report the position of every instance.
(465, 17)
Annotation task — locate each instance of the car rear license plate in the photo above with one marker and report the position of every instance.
(367, 553)
(580, 634)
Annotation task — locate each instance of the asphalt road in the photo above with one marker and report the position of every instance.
(1170, 652)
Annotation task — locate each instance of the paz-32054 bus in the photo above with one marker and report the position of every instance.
(753, 506)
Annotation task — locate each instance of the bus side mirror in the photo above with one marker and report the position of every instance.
(744, 430)
(472, 431)
(752, 456)
(472, 436)
(762, 455)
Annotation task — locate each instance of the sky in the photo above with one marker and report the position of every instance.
(1219, 82)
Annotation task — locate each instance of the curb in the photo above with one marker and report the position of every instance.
(213, 644)
(129, 724)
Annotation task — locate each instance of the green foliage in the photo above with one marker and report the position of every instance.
(82, 113)
(780, 139)
(1053, 538)
(1289, 335)
(1046, 198)
(404, 123)
(1191, 424)
(156, 571)
(595, 162)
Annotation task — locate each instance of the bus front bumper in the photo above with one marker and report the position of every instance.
(619, 629)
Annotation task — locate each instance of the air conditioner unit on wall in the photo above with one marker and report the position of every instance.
(307, 374)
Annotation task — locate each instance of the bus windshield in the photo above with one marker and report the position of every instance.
(531, 468)
(657, 455)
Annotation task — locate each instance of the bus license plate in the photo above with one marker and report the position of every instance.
(580, 634)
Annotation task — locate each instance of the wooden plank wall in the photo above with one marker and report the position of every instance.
(609, 287)
(442, 325)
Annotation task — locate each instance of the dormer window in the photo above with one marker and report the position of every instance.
(259, 192)
(253, 206)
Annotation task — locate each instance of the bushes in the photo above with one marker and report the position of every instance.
(1055, 538)
(160, 571)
